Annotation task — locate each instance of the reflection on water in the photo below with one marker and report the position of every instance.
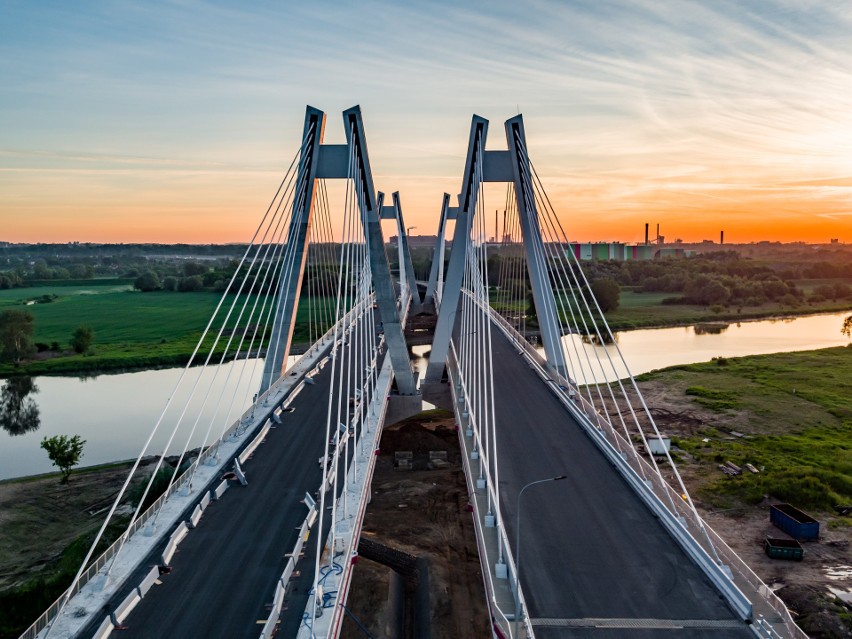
(711, 328)
(649, 349)
(18, 412)
(116, 413)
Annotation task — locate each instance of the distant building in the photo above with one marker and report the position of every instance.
(617, 251)
(416, 241)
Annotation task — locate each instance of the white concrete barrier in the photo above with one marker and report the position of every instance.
(105, 629)
(220, 489)
(195, 516)
(168, 552)
(149, 581)
(254, 443)
(278, 598)
(179, 533)
(297, 549)
(205, 501)
(269, 626)
(288, 572)
(126, 607)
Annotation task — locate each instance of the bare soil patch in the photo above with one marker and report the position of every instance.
(39, 518)
(422, 512)
(803, 586)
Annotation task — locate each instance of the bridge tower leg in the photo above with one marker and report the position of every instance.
(545, 302)
(458, 254)
(297, 238)
(382, 283)
(438, 257)
(406, 253)
(331, 161)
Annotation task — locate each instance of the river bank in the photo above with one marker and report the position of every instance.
(789, 416)
(136, 331)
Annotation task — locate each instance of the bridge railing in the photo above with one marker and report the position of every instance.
(456, 381)
(95, 567)
(699, 529)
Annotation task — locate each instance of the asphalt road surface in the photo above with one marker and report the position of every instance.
(224, 572)
(594, 561)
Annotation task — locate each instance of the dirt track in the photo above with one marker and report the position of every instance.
(422, 512)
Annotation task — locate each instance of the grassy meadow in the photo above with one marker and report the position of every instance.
(791, 417)
(131, 329)
(646, 310)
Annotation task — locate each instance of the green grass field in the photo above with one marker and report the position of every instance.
(795, 412)
(131, 329)
(646, 310)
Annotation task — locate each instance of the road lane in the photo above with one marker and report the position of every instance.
(590, 547)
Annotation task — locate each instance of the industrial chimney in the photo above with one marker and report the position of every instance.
(646, 233)
(721, 237)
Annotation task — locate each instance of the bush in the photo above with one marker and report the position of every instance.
(82, 339)
(147, 282)
(607, 292)
(191, 284)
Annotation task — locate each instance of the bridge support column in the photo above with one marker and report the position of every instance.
(406, 253)
(542, 290)
(437, 269)
(382, 283)
(458, 254)
(297, 243)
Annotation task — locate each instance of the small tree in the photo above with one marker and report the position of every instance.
(607, 292)
(847, 327)
(64, 451)
(82, 339)
(147, 282)
(16, 333)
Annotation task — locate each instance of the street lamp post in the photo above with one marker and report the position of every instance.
(518, 548)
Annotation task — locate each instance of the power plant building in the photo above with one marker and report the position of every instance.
(617, 251)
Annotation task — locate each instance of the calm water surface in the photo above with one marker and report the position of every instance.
(115, 413)
(649, 349)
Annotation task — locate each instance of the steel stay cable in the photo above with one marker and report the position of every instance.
(686, 494)
(601, 340)
(529, 198)
(338, 329)
(186, 405)
(191, 396)
(490, 390)
(135, 466)
(558, 262)
(280, 225)
(265, 295)
(270, 294)
(588, 366)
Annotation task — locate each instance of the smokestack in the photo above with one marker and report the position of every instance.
(658, 233)
(722, 237)
(646, 232)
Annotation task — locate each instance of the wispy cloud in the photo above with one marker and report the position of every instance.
(643, 108)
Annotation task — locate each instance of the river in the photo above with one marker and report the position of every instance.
(115, 413)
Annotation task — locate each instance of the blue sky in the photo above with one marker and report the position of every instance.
(171, 121)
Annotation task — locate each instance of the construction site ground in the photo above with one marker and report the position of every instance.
(424, 513)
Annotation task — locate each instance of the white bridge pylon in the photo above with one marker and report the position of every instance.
(594, 386)
(349, 161)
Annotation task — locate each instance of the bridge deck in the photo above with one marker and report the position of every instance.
(224, 573)
(594, 560)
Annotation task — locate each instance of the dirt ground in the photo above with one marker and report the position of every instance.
(39, 517)
(803, 586)
(422, 512)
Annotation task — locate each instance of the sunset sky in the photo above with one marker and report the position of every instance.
(173, 121)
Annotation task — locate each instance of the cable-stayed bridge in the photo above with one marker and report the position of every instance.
(257, 530)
